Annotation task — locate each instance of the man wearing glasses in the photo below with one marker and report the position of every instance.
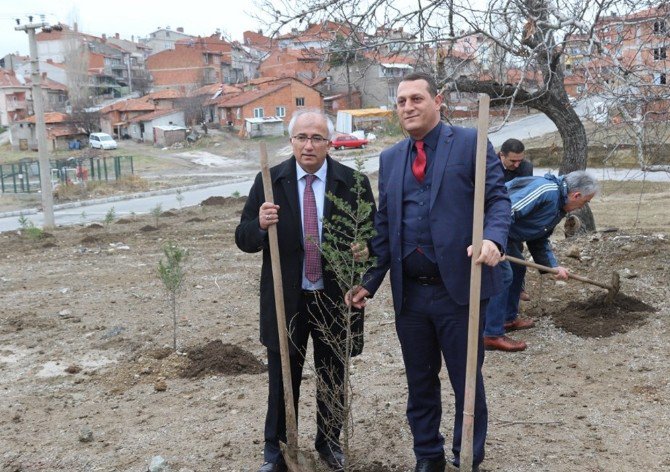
(311, 293)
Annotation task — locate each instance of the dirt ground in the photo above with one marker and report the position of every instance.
(88, 382)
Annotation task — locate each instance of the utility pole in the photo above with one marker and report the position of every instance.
(45, 167)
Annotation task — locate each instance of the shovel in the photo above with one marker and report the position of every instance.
(612, 289)
(296, 460)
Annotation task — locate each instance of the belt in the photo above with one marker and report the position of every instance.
(312, 293)
(427, 280)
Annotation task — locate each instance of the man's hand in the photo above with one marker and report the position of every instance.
(562, 273)
(490, 254)
(356, 297)
(360, 252)
(268, 215)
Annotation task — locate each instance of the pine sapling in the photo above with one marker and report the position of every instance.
(171, 273)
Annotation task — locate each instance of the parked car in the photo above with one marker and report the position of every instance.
(348, 141)
(101, 141)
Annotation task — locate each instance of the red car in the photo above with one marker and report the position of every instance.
(348, 141)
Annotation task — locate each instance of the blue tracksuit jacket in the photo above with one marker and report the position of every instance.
(537, 207)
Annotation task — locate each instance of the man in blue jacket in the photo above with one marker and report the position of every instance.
(538, 205)
(424, 234)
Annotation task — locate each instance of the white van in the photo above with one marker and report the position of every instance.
(101, 141)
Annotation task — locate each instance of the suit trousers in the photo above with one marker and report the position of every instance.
(308, 321)
(431, 326)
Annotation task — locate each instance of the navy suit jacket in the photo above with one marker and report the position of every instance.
(451, 214)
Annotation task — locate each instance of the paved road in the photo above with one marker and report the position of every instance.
(90, 211)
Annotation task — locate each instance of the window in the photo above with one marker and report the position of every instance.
(660, 54)
(393, 89)
(280, 112)
(258, 112)
(660, 78)
(300, 101)
(659, 27)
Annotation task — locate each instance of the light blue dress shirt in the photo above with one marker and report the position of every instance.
(319, 188)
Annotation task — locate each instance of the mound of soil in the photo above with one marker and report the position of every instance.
(596, 318)
(123, 221)
(213, 201)
(147, 228)
(195, 220)
(168, 213)
(218, 358)
(89, 240)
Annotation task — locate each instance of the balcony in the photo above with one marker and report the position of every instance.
(13, 105)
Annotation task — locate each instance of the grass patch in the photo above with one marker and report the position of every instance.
(96, 189)
(632, 187)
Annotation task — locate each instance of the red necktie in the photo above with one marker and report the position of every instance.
(311, 231)
(419, 165)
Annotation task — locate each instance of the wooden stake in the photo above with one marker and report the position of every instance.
(290, 451)
(475, 287)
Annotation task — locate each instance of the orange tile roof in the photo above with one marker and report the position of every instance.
(164, 94)
(245, 98)
(214, 88)
(49, 117)
(257, 40)
(212, 43)
(64, 130)
(137, 104)
(154, 114)
(8, 79)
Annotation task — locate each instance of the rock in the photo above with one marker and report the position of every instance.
(160, 385)
(572, 226)
(85, 435)
(574, 252)
(73, 369)
(64, 313)
(158, 464)
(628, 274)
(115, 331)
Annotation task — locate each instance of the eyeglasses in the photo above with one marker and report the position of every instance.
(316, 140)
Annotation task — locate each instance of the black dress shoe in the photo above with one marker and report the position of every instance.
(428, 465)
(272, 467)
(475, 468)
(334, 459)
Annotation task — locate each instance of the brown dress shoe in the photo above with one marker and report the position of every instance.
(519, 323)
(503, 343)
(524, 297)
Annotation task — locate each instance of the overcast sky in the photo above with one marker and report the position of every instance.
(126, 17)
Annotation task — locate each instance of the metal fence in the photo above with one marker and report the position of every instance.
(24, 176)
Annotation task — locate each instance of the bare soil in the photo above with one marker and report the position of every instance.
(88, 381)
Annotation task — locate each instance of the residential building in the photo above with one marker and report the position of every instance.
(164, 38)
(16, 98)
(188, 66)
(635, 60)
(60, 131)
(79, 60)
(141, 127)
(278, 98)
(376, 79)
(115, 118)
(14, 93)
(306, 65)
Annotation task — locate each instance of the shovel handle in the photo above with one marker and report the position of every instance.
(551, 270)
(291, 419)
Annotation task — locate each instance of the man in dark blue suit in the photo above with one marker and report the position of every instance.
(424, 226)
